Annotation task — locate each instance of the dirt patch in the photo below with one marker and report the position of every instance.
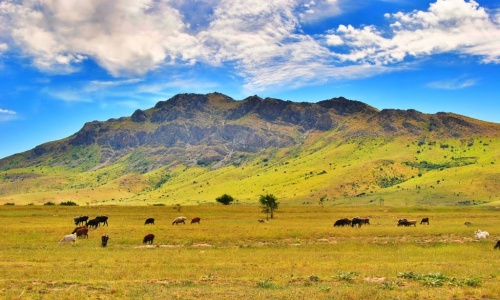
(201, 245)
(375, 279)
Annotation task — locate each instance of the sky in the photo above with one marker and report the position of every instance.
(67, 62)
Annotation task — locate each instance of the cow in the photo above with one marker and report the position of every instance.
(262, 221)
(424, 221)
(179, 220)
(149, 221)
(68, 239)
(102, 219)
(79, 227)
(467, 223)
(195, 220)
(81, 220)
(148, 239)
(93, 223)
(82, 232)
(365, 221)
(406, 222)
(479, 234)
(497, 246)
(104, 240)
(358, 221)
(342, 222)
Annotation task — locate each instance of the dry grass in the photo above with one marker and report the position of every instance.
(231, 255)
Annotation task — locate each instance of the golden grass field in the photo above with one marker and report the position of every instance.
(230, 255)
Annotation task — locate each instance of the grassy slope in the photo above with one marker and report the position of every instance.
(362, 171)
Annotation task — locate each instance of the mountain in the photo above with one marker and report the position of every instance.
(193, 148)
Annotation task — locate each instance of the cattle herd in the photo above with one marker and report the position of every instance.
(83, 224)
(357, 222)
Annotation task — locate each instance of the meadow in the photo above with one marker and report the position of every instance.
(230, 255)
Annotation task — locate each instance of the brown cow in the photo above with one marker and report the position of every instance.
(82, 232)
(195, 220)
(497, 246)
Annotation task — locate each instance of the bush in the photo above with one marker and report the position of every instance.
(49, 203)
(68, 203)
(225, 199)
(9, 203)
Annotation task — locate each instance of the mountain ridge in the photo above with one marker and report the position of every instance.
(215, 131)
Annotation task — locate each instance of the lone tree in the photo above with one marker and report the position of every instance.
(225, 199)
(269, 204)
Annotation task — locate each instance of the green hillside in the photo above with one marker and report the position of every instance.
(361, 171)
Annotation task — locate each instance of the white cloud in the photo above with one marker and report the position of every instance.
(261, 41)
(447, 26)
(7, 112)
(453, 84)
(123, 36)
(7, 115)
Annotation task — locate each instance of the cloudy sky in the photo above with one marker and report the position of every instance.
(67, 62)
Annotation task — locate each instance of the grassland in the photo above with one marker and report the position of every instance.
(297, 255)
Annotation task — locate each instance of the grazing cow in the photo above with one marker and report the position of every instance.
(102, 219)
(424, 221)
(179, 220)
(149, 221)
(76, 228)
(83, 232)
(262, 221)
(405, 222)
(356, 221)
(68, 239)
(365, 221)
(467, 223)
(195, 220)
(148, 239)
(497, 246)
(479, 234)
(104, 239)
(93, 223)
(342, 222)
(81, 220)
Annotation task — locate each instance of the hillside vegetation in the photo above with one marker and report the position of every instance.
(192, 149)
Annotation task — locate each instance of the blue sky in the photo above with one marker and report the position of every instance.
(67, 62)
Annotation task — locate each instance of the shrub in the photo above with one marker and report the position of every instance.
(225, 199)
(68, 203)
(9, 203)
(49, 203)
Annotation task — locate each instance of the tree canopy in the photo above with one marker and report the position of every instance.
(269, 204)
(225, 199)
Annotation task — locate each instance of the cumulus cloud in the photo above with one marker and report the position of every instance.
(264, 42)
(447, 26)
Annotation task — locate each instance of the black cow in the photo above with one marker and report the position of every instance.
(357, 221)
(424, 221)
(497, 246)
(103, 220)
(93, 223)
(104, 239)
(149, 221)
(342, 222)
(148, 239)
(81, 220)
